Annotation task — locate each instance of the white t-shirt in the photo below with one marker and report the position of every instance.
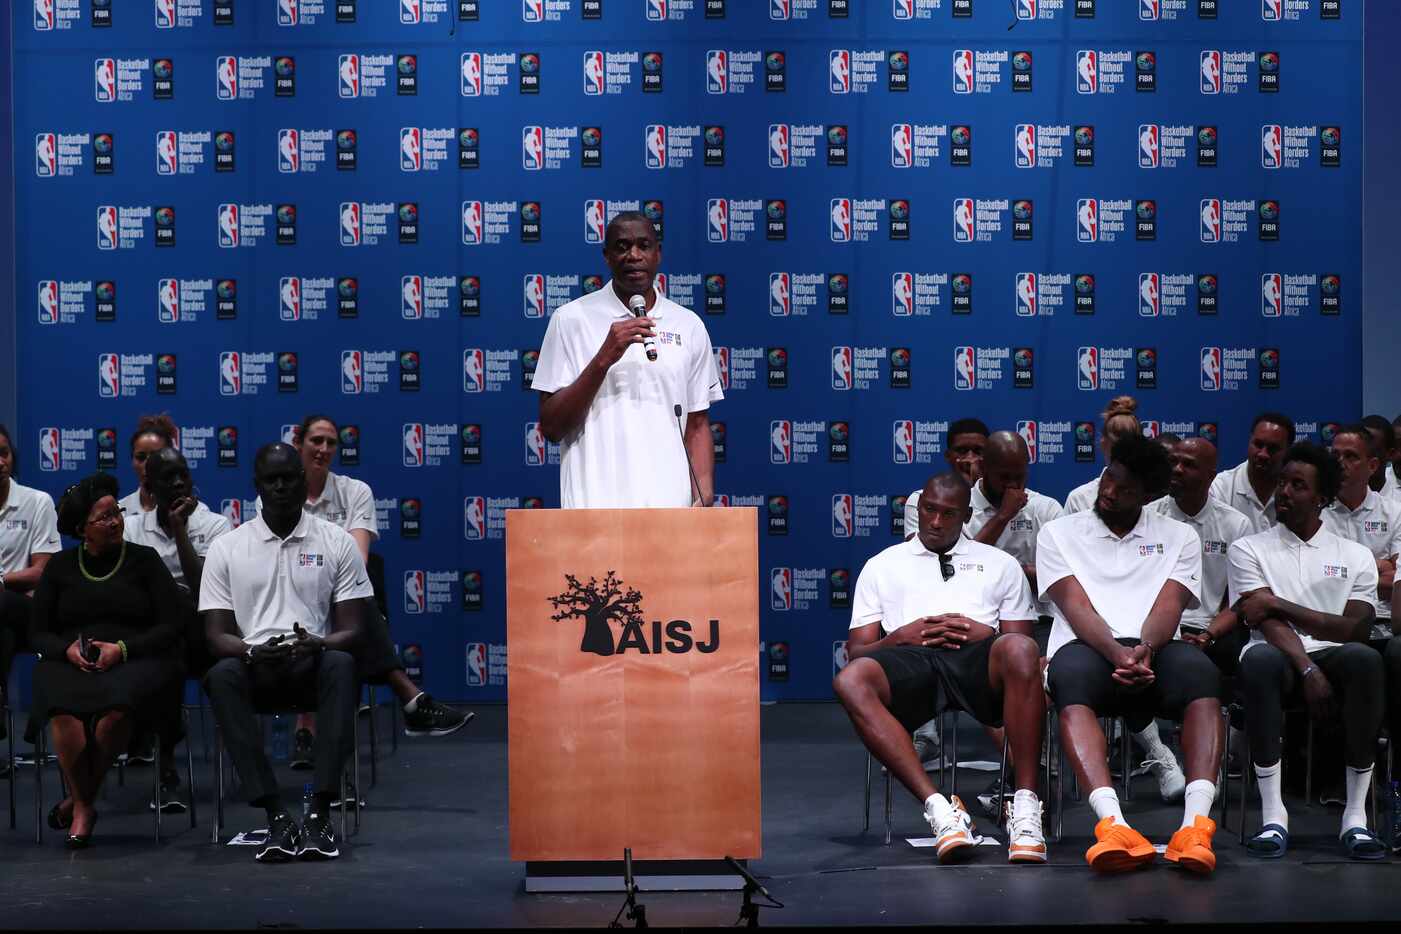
(1121, 576)
(902, 583)
(270, 583)
(28, 526)
(130, 504)
(1323, 574)
(1233, 488)
(1082, 498)
(1217, 526)
(1018, 538)
(1376, 526)
(346, 502)
(1390, 488)
(204, 526)
(629, 450)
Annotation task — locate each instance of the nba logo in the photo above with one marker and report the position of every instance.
(1271, 146)
(225, 78)
(1149, 9)
(352, 372)
(1211, 369)
(841, 220)
(50, 442)
(839, 71)
(1149, 156)
(533, 290)
(532, 148)
(595, 81)
(717, 71)
(472, 223)
(1271, 10)
(841, 515)
(109, 376)
(656, 11)
(1026, 9)
(1026, 295)
(45, 155)
(1087, 368)
(476, 653)
(963, 229)
(1148, 299)
(165, 14)
(1025, 142)
(902, 146)
(411, 149)
(965, 373)
(780, 9)
(230, 373)
(1211, 220)
(963, 71)
(471, 74)
(105, 80)
(348, 68)
(717, 220)
(534, 445)
(106, 227)
(659, 284)
(289, 298)
(289, 157)
(904, 9)
(415, 592)
(1086, 71)
(593, 221)
(655, 142)
(474, 518)
(1151, 428)
(781, 589)
(350, 223)
(413, 444)
(287, 13)
(289, 434)
(411, 11)
(779, 155)
(1211, 71)
(841, 368)
(168, 301)
(1087, 220)
(780, 299)
(43, 15)
(1027, 430)
(902, 440)
(780, 442)
(473, 370)
(48, 302)
(228, 225)
(1271, 295)
(902, 294)
(722, 366)
(232, 509)
(411, 297)
(167, 155)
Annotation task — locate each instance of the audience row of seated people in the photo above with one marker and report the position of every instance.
(278, 613)
(1155, 587)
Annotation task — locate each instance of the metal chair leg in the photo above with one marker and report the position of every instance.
(218, 785)
(10, 731)
(866, 823)
(953, 766)
(345, 793)
(999, 819)
(374, 738)
(1126, 758)
(190, 767)
(39, 755)
(1308, 768)
(1223, 792)
(888, 805)
(156, 783)
(355, 747)
(1060, 777)
(943, 758)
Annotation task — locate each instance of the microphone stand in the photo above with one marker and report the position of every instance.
(635, 912)
(749, 911)
(676, 410)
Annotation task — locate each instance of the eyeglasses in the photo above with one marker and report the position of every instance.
(946, 566)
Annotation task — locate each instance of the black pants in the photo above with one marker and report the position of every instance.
(1391, 662)
(326, 683)
(1268, 680)
(375, 653)
(1078, 674)
(15, 610)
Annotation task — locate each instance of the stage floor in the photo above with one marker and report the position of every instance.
(432, 852)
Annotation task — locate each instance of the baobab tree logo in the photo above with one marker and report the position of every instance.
(599, 604)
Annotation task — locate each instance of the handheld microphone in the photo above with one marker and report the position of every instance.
(676, 409)
(638, 306)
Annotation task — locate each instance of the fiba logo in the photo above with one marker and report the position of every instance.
(1210, 71)
(1026, 295)
(350, 232)
(1024, 146)
(472, 223)
(411, 298)
(717, 71)
(841, 368)
(654, 142)
(1087, 220)
(411, 11)
(413, 444)
(780, 299)
(1272, 11)
(1211, 369)
(410, 149)
(473, 370)
(722, 366)
(168, 301)
(1149, 300)
(902, 294)
(780, 156)
(1149, 10)
(1027, 430)
(415, 592)
(46, 155)
(1087, 368)
(963, 71)
(105, 80)
(842, 519)
(1211, 220)
(48, 302)
(1087, 71)
(717, 220)
(1271, 146)
(1149, 154)
(1271, 295)
(965, 372)
(50, 449)
(533, 295)
(352, 372)
(532, 148)
(595, 78)
(902, 441)
(781, 589)
(901, 146)
(474, 518)
(594, 226)
(107, 227)
(656, 10)
(230, 373)
(780, 442)
(964, 228)
(225, 78)
(839, 71)
(228, 226)
(840, 212)
(167, 153)
(348, 75)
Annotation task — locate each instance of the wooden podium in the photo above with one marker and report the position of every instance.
(633, 639)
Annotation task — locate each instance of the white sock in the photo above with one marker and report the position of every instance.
(1271, 800)
(1025, 801)
(412, 706)
(1197, 801)
(937, 809)
(1355, 812)
(1149, 741)
(1106, 804)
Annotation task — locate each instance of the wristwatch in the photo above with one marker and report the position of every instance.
(248, 656)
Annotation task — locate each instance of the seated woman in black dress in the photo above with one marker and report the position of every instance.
(119, 596)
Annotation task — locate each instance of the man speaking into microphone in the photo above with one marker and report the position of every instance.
(626, 379)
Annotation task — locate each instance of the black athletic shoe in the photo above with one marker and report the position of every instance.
(301, 750)
(284, 841)
(434, 719)
(318, 839)
(170, 793)
(349, 800)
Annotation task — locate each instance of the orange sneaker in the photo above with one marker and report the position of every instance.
(1120, 848)
(1191, 846)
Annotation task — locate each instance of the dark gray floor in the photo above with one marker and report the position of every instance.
(433, 848)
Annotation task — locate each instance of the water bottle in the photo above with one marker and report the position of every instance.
(306, 801)
(280, 747)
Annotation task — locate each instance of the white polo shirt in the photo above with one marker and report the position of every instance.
(1390, 488)
(1121, 576)
(1217, 526)
(270, 583)
(1082, 498)
(1233, 488)
(345, 501)
(28, 526)
(629, 450)
(902, 583)
(1376, 526)
(204, 525)
(130, 504)
(1323, 574)
(1018, 539)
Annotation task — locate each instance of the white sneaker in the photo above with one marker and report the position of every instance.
(1026, 838)
(1171, 782)
(954, 839)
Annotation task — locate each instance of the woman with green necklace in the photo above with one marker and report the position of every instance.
(107, 631)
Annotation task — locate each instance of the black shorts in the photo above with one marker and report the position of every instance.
(925, 682)
(1080, 675)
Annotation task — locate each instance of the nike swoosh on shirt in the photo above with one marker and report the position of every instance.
(357, 583)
